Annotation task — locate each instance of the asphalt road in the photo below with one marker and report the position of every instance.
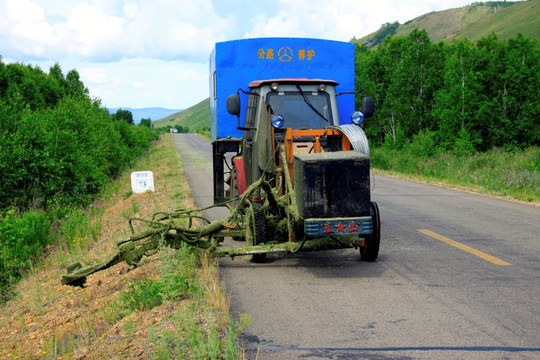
(467, 286)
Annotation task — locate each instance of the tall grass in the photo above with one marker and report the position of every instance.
(514, 174)
(203, 328)
(22, 239)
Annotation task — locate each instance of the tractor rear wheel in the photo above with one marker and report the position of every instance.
(370, 251)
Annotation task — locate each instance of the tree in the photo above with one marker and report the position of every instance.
(56, 72)
(3, 79)
(75, 86)
(122, 114)
(483, 95)
(520, 92)
(377, 69)
(182, 129)
(416, 76)
(459, 99)
(146, 122)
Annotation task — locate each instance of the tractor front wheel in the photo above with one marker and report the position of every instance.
(370, 251)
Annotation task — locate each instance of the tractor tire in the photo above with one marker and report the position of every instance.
(258, 232)
(370, 251)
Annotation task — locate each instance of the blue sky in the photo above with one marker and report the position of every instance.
(154, 53)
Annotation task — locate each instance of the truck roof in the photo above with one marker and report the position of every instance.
(259, 83)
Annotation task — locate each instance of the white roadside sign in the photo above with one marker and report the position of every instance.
(142, 181)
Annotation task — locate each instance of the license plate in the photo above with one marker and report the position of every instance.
(338, 227)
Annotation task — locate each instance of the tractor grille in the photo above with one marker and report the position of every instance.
(332, 184)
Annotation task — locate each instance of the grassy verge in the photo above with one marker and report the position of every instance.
(205, 133)
(170, 307)
(514, 175)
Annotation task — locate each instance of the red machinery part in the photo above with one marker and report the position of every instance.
(241, 182)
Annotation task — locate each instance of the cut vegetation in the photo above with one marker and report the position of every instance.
(171, 307)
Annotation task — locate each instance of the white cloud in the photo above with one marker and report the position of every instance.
(139, 85)
(339, 19)
(109, 30)
(91, 32)
(143, 53)
(28, 30)
(93, 75)
(176, 30)
(145, 82)
(130, 9)
(102, 30)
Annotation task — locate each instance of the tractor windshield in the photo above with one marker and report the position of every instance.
(302, 109)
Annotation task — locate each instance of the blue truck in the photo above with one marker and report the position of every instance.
(290, 147)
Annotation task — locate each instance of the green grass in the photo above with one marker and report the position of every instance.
(191, 340)
(200, 331)
(442, 23)
(178, 280)
(513, 174)
(197, 330)
(522, 17)
(22, 240)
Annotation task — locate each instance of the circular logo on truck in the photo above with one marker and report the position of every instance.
(285, 54)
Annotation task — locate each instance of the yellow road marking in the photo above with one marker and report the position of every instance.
(464, 247)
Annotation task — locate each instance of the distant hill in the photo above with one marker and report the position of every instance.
(194, 118)
(153, 113)
(475, 21)
(522, 17)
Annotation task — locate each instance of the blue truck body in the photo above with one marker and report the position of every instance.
(235, 64)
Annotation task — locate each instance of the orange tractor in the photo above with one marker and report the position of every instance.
(311, 166)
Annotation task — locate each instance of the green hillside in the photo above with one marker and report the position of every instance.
(473, 22)
(441, 23)
(194, 118)
(522, 17)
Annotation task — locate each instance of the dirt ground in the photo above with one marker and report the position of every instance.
(47, 320)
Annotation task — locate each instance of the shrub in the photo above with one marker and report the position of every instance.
(22, 239)
(58, 149)
(422, 145)
(64, 154)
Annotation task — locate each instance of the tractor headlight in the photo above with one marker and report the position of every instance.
(357, 118)
(277, 121)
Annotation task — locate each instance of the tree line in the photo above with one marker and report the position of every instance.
(57, 144)
(58, 149)
(494, 4)
(460, 96)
